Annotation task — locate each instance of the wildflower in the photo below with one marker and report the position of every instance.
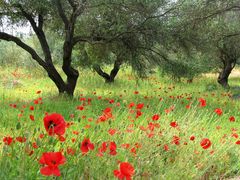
(21, 139)
(205, 143)
(50, 162)
(218, 111)
(140, 106)
(131, 105)
(8, 140)
(232, 119)
(165, 147)
(126, 171)
(176, 140)
(192, 138)
(71, 151)
(80, 108)
(105, 146)
(112, 131)
(174, 124)
(86, 145)
(202, 102)
(54, 124)
(155, 117)
(31, 117)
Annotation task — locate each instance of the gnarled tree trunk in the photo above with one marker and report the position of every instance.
(72, 77)
(36, 21)
(229, 63)
(224, 74)
(109, 78)
(56, 78)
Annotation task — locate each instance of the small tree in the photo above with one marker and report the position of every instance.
(212, 28)
(131, 31)
(40, 14)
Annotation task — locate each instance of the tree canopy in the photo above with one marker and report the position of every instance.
(182, 38)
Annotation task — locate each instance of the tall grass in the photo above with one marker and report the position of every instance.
(147, 139)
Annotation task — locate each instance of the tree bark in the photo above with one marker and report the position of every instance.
(72, 77)
(56, 78)
(229, 63)
(72, 74)
(109, 78)
(115, 70)
(224, 74)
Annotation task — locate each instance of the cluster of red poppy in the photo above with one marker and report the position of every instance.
(56, 126)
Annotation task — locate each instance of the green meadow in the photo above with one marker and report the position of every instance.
(167, 147)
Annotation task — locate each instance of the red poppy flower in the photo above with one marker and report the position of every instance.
(235, 135)
(205, 143)
(107, 114)
(34, 145)
(155, 117)
(174, 124)
(80, 108)
(192, 138)
(165, 147)
(51, 161)
(136, 92)
(61, 138)
(131, 105)
(31, 108)
(232, 119)
(138, 113)
(238, 142)
(134, 151)
(112, 148)
(8, 140)
(151, 126)
(126, 171)
(86, 145)
(107, 110)
(105, 146)
(54, 124)
(176, 140)
(71, 151)
(41, 136)
(21, 139)
(111, 101)
(31, 117)
(112, 131)
(202, 102)
(102, 149)
(126, 146)
(218, 111)
(140, 106)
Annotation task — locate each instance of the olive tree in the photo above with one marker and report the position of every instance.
(40, 14)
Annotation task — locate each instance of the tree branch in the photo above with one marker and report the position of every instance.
(217, 12)
(40, 21)
(30, 50)
(39, 32)
(90, 39)
(71, 2)
(62, 13)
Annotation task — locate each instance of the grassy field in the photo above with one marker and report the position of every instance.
(156, 125)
